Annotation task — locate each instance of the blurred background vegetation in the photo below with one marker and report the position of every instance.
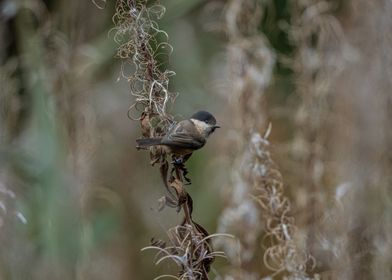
(77, 201)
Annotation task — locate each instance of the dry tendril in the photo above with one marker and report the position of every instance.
(144, 51)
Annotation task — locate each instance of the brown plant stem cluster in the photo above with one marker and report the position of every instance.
(342, 137)
(354, 235)
(144, 49)
(283, 252)
(251, 62)
(321, 54)
(250, 66)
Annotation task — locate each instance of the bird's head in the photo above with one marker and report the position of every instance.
(205, 122)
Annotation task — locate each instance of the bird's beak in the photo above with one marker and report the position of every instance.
(216, 126)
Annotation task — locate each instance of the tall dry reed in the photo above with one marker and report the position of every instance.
(258, 211)
(144, 49)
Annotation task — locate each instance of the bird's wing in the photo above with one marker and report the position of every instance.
(184, 135)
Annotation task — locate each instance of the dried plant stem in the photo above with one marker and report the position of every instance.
(283, 252)
(144, 46)
(358, 233)
(250, 65)
(321, 53)
(252, 62)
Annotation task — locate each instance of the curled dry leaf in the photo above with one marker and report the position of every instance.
(182, 194)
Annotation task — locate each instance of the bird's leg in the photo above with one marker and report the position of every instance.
(177, 160)
(180, 170)
(178, 163)
(180, 160)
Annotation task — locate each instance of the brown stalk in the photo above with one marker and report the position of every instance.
(141, 45)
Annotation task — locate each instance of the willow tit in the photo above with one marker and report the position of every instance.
(185, 136)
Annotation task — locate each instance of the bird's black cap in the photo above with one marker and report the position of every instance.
(204, 116)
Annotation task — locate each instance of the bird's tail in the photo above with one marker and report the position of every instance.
(147, 142)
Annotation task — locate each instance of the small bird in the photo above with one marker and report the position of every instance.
(185, 136)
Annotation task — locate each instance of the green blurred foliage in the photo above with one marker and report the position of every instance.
(85, 192)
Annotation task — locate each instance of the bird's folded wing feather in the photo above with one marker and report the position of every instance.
(184, 135)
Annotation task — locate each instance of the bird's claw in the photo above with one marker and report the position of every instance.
(179, 165)
(178, 161)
